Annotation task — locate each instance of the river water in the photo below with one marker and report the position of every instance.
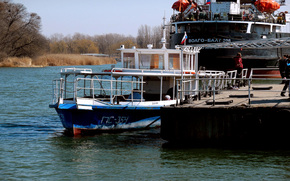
(34, 147)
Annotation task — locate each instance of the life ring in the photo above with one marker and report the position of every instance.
(244, 15)
(280, 14)
(189, 72)
(250, 17)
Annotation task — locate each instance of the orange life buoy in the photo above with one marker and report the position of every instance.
(190, 72)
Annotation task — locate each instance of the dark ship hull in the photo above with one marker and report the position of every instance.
(222, 59)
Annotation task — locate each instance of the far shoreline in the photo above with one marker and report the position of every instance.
(56, 60)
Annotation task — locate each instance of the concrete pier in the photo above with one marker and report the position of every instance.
(265, 121)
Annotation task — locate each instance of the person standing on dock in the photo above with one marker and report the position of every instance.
(239, 66)
(287, 75)
(282, 66)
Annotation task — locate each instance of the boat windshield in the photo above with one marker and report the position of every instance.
(129, 60)
(151, 61)
(188, 62)
(174, 61)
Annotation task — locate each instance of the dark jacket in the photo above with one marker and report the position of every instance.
(282, 64)
(287, 68)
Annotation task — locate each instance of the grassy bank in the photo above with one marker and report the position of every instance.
(56, 60)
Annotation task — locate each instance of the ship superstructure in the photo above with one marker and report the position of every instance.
(230, 21)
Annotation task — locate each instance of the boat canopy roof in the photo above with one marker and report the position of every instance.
(160, 60)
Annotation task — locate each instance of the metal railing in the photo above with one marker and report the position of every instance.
(212, 84)
(212, 90)
(153, 71)
(58, 90)
(109, 89)
(76, 70)
(260, 72)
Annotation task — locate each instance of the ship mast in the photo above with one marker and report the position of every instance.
(163, 39)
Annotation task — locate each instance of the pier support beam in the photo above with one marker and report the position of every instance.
(231, 126)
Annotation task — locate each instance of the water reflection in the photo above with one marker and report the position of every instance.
(209, 163)
(114, 156)
(140, 154)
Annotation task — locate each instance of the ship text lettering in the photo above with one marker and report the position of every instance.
(209, 40)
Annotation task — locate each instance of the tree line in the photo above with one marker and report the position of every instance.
(20, 36)
(19, 31)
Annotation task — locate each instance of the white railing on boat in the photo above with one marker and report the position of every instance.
(105, 90)
(108, 89)
(111, 90)
(152, 71)
(58, 89)
(75, 70)
(210, 85)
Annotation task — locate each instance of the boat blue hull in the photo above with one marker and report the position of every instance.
(109, 118)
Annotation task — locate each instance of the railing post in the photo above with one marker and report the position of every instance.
(142, 89)
(160, 96)
(179, 91)
(132, 88)
(249, 91)
(111, 92)
(75, 89)
(93, 87)
(213, 91)
(61, 86)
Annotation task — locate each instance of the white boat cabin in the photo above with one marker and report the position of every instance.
(147, 77)
(164, 60)
(159, 68)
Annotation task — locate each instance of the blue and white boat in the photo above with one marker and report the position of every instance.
(123, 98)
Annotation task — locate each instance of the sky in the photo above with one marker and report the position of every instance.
(99, 17)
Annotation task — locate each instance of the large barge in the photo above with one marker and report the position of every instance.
(230, 21)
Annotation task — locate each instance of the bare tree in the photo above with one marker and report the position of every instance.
(157, 34)
(78, 43)
(19, 32)
(147, 35)
(109, 43)
(144, 36)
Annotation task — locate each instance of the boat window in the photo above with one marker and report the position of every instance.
(128, 60)
(174, 62)
(195, 28)
(69, 84)
(151, 61)
(188, 62)
(210, 28)
(276, 29)
(223, 27)
(238, 27)
(261, 29)
(181, 29)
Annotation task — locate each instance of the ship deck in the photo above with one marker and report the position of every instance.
(259, 97)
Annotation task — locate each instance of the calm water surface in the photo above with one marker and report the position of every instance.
(33, 146)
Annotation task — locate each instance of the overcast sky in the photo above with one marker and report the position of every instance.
(97, 17)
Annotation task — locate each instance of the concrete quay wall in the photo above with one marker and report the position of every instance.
(232, 126)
